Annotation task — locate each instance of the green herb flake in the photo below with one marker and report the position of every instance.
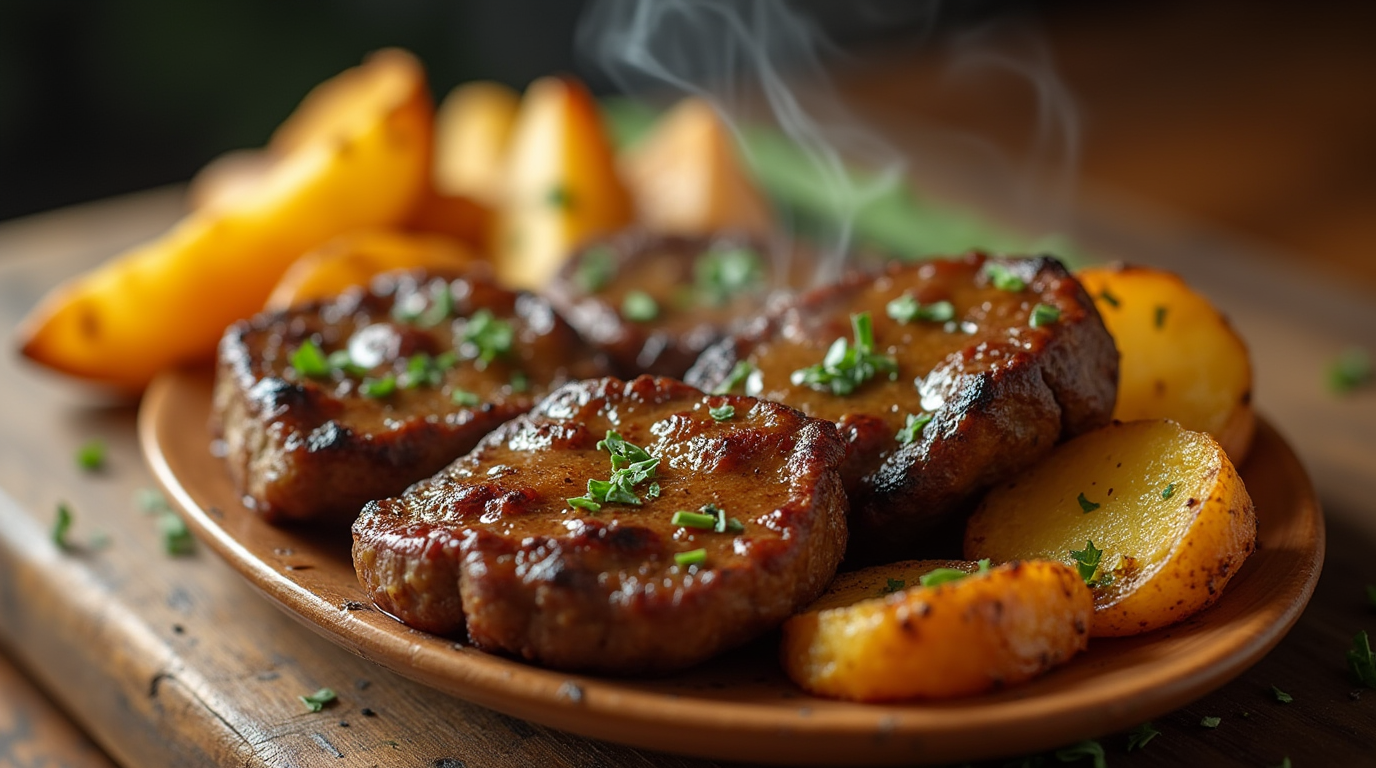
(559, 197)
(906, 309)
(150, 501)
(912, 430)
(583, 502)
(1044, 315)
(176, 539)
(846, 367)
(485, 338)
(1351, 369)
(596, 269)
(694, 520)
(1003, 278)
(519, 382)
(723, 413)
(441, 305)
(61, 525)
(463, 397)
(1139, 736)
(653, 491)
(723, 523)
(740, 373)
(941, 576)
(1282, 696)
(1169, 491)
(893, 585)
(1087, 560)
(1077, 752)
(1361, 661)
(341, 360)
(91, 455)
(317, 701)
(1160, 318)
(378, 388)
(1086, 506)
(631, 466)
(309, 361)
(1210, 722)
(1112, 301)
(639, 307)
(691, 557)
(721, 274)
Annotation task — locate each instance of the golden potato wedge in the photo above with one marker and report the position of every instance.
(687, 178)
(472, 132)
(959, 638)
(562, 183)
(357, 257)
(1179, 357)
(1163, 505)
(169, 300)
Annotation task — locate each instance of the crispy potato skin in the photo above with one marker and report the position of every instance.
(1179, 357)
(169, 300)
(1180, 548)
(956, 639)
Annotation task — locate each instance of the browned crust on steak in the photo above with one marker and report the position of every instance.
(306, 449)
(491, 544)
(1000, 396)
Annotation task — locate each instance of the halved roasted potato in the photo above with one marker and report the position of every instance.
(1179, 358)
(355, 258)
(169, 300)
(1153, 514)
(958, 638)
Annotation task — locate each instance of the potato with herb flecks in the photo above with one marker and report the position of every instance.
(1154, 515)
(955, 636)
(1178, 357)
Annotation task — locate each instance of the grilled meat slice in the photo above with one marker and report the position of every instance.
(653, 303)
(492, 543)
(1018, 361)
(327, 406)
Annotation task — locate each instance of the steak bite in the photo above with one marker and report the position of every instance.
(653, 303)
(620, 527)
(943, 377)
(329, 405)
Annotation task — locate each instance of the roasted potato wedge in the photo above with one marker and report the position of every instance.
(562, 183)
(357, 257)
(687, 178)
(1162, 505)
(472, 131)
(169, 300)
(959, 638)
(1179, 357)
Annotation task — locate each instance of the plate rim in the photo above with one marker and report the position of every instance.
(619, 711)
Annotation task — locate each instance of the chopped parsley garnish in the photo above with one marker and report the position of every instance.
(1351, 369)
(1112, 302)
(1090, 749)
(639, 307)
(691, 557)
(519, 381)
(846, 367)
(317, 701)
(694, 520)
(1168, 491)
(485, 338)
(723, 524)
(719, 275)
(1210, 722)
(912, 430)
(559, 197)
(1361, 661)
(1160, 317)
(421, 368)
(631, 466)
(1044, 314)
(1086, 506)
(61, 525)
(441, 305)
(378, 388)
(464, 398)
(91, 455)
(653, 491)
(1282, 696)
(176, 539)
(906, 309)
(151, 502)
(1284, 762)
(893, 585)
(309, 361)
(740, 372)
(341, 360)
(1139, 736)
(941, 576)
(723, 413)
(583, 502)
(1087, 560)
(596, 269)
(1003, 278)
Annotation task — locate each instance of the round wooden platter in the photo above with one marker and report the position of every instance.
(740, 706)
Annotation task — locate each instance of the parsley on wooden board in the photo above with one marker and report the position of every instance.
(1282, 696)
(1351, 369)
(91, 455)
(1076, 752)
(1139, 736)
(1210, 722)
(1361, 661)
(316, 701)
(62, 523)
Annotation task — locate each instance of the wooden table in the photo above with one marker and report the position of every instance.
(175, 661)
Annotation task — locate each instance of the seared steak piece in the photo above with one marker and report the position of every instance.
(654, 303)
(496, 542)
(1017, 361)
(330, 405)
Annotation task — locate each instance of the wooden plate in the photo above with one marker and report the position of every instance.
(741, 707)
